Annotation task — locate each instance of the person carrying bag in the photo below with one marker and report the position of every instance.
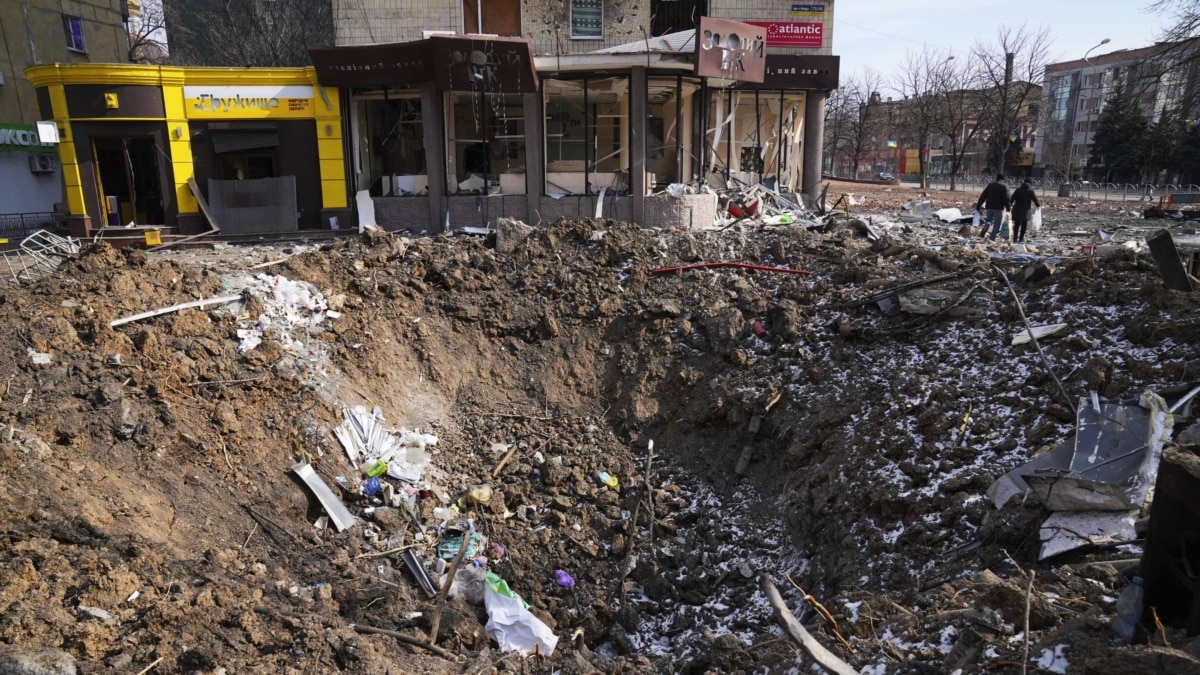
(1023, 200)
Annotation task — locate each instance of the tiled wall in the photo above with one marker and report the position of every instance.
(359, 22)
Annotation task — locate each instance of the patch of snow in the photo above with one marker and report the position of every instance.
(1054, 660)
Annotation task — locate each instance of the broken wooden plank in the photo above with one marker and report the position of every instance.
(212, 223)
(219, 300)
(827, 659)
(1039, 332)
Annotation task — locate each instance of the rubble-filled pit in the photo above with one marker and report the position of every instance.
(150, 514)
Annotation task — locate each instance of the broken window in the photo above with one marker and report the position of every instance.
(670, 148)
(388, 129)
(486, 142)
(755, 136)
(587, 135)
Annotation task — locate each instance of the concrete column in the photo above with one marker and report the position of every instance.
(535, 154)
(814, 143)
(433, 114)
(638, 112)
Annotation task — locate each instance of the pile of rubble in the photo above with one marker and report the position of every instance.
(589, 447)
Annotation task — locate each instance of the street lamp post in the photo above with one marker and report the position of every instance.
(1087, 132)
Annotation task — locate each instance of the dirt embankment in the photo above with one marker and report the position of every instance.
(147, 510)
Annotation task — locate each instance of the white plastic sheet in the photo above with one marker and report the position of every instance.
(515, 628)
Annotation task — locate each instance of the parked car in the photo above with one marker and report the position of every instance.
(884, 175)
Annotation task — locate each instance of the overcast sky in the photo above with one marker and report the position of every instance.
(879, 33)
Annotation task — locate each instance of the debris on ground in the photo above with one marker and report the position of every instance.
(424, 421)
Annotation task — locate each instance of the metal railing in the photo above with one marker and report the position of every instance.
(16, 226)
(1079, 189)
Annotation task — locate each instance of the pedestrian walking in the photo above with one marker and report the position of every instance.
(993, 201)
(1023, 201)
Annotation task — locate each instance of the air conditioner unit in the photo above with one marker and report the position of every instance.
(42, 162)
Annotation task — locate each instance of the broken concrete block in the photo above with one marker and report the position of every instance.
(511, 234)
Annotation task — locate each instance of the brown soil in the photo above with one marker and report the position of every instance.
(155, 459)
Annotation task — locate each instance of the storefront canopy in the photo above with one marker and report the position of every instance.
(455, 62)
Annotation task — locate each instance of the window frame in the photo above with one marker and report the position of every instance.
(70, 34)
(571, 22)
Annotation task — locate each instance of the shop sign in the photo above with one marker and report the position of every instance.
(793, 33)
(22, 138)
(801, 71)
(492, 64)
(249, 102)
(374, 65)
(807, 11)
(731, 50)
(1025, 158)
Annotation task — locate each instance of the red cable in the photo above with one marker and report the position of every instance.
(760, 268)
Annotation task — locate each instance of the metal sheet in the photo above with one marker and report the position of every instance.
(338, 513)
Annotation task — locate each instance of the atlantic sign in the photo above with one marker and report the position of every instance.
(792, 33)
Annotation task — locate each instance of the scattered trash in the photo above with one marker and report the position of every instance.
(511, 624)
(562, 578)
(476, 494)
(341, 517)
(364, 438)
(609, 479)
(38, 358)
(418, 572)
(452, 541)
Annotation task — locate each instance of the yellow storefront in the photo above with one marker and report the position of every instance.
(264, 146)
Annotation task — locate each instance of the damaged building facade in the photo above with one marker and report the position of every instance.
(262, 146)
(459, 112)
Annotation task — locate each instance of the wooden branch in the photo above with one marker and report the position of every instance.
(441, 601)
(1028, 597)
(827, 659)
(371, 630)
(1045, 361)
(650, 495)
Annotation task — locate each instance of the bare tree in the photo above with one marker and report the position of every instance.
(865, 119)
(917, 83)
(838, 111)
(957, 119)
(148, 34)
(1010, 71)
(266, 33)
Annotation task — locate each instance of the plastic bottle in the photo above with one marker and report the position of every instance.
(1129, 610)
(375, 468)
(372, 486)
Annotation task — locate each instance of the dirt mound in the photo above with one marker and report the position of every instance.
(148, 510)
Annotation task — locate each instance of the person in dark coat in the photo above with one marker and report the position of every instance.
(993, 201)
(1023, 201)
